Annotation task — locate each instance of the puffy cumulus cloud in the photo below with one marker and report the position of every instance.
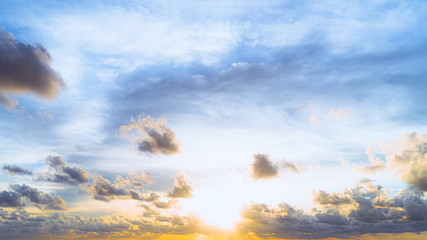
(151, 136)
(323, 198)
(410, 162)
(13, 169)
(135, 179)
(263, 167)
(21, 194)
(407, 158)
(372, 211)
(21, 224)
(60, 173)
(377, 164)
(181, 188)
(25, 68)
(103, 190)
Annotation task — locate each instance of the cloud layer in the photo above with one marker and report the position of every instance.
(363, 209)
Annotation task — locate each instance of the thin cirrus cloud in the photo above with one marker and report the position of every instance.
(25, 69)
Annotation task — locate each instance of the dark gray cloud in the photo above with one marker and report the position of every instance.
(60, 173)
(25, 69)
(10, 199)
(39, 198)
(181, 188)
(263, 167)
(361, 210)
(13, 169)
(22, 194)
(152, 136)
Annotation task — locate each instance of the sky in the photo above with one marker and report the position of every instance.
(213, 120)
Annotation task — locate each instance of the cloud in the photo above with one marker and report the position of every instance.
(103, 190)
(135, 179)
(13, 169)
(324, 198)
(377, 164)
(60, 173)
(408, 160)
(21, 224)
(330, 115)
(293, 167)
(181, 188)
(10, 199)
(152, 136)
(263, 167)
(25, 69)
(34, 196)
(371, 211)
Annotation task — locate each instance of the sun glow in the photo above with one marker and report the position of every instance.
(218, 205)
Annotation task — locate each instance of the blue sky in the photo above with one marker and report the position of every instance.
(253, 105)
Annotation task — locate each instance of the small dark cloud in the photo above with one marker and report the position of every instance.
(25, 69)
(13, 169)
(55, 161)
(60, 173)
(151, 136)
(263, 167)
(181, 188)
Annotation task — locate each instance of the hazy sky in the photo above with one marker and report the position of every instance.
(213, 119)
